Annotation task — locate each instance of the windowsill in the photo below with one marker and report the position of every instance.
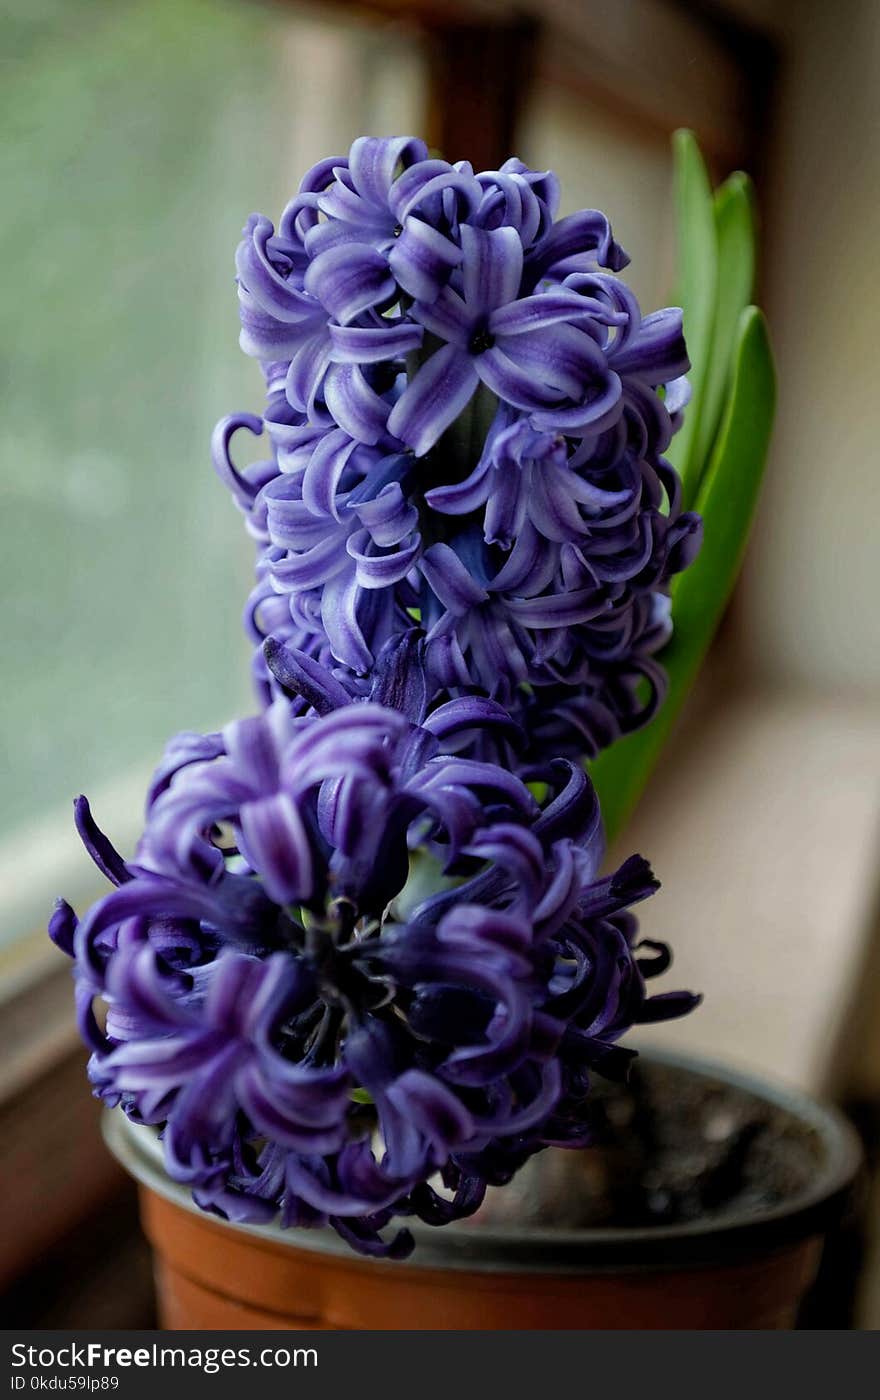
(761, 823)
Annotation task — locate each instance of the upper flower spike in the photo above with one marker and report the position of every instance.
(467, 414)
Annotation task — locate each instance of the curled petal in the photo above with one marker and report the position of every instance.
(434, 398)
(370, 344)
(301, 675)
(578, 242)
(374, 162)
(355, 406)
(422, 259)
(103, 853)
(449, 578)
(376, 570)
(492, 267)
(241, 487)
(348, 280)
(275, 842)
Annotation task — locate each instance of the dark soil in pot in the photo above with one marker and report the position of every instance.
(669, 1149)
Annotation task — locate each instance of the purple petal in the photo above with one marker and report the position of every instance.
(657, 352)
(275, 293)
(242, 489)
(102, 851)
(339, 616)
(530, 566)
(62, 927)
(537, 312)
(434, 398)
(399, 679)
(450, 580)
(307, 367)
(381, 570)
(600, 408)
(426, 187)
(436, 1111)
(373, 162)
(422, 259)
(460, 498)
(492, 267)
(371, 344)
(321, 478)
(678, 395)
(349, 279)
(468, 713)
(512, 384)
(561, 609)
(447, 316)
(388, 516)
(356, 407)
(666, 1005)
(576, 243)
(561, 358)
(267, 338)
(302, 675)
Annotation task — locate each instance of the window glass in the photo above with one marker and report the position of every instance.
(139, 134)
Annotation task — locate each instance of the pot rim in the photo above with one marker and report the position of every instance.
(550, 1249)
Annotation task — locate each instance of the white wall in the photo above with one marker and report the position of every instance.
(606, 162)
(810, 602)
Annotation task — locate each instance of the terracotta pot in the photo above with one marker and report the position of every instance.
(744, 1268)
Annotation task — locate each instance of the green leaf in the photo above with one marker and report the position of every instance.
(697, 282)
(726, 500)
(735, 231)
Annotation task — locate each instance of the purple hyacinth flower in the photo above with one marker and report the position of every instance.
(325, 325)
(528, 350)
(389, 195)
(520, 198)
(525, 475)
(307, 1041)
(580, 515)
(369, 549)
(354, 955)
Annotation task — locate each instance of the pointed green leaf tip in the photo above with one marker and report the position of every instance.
(697, 253)
(726, 500)
(735, 234)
